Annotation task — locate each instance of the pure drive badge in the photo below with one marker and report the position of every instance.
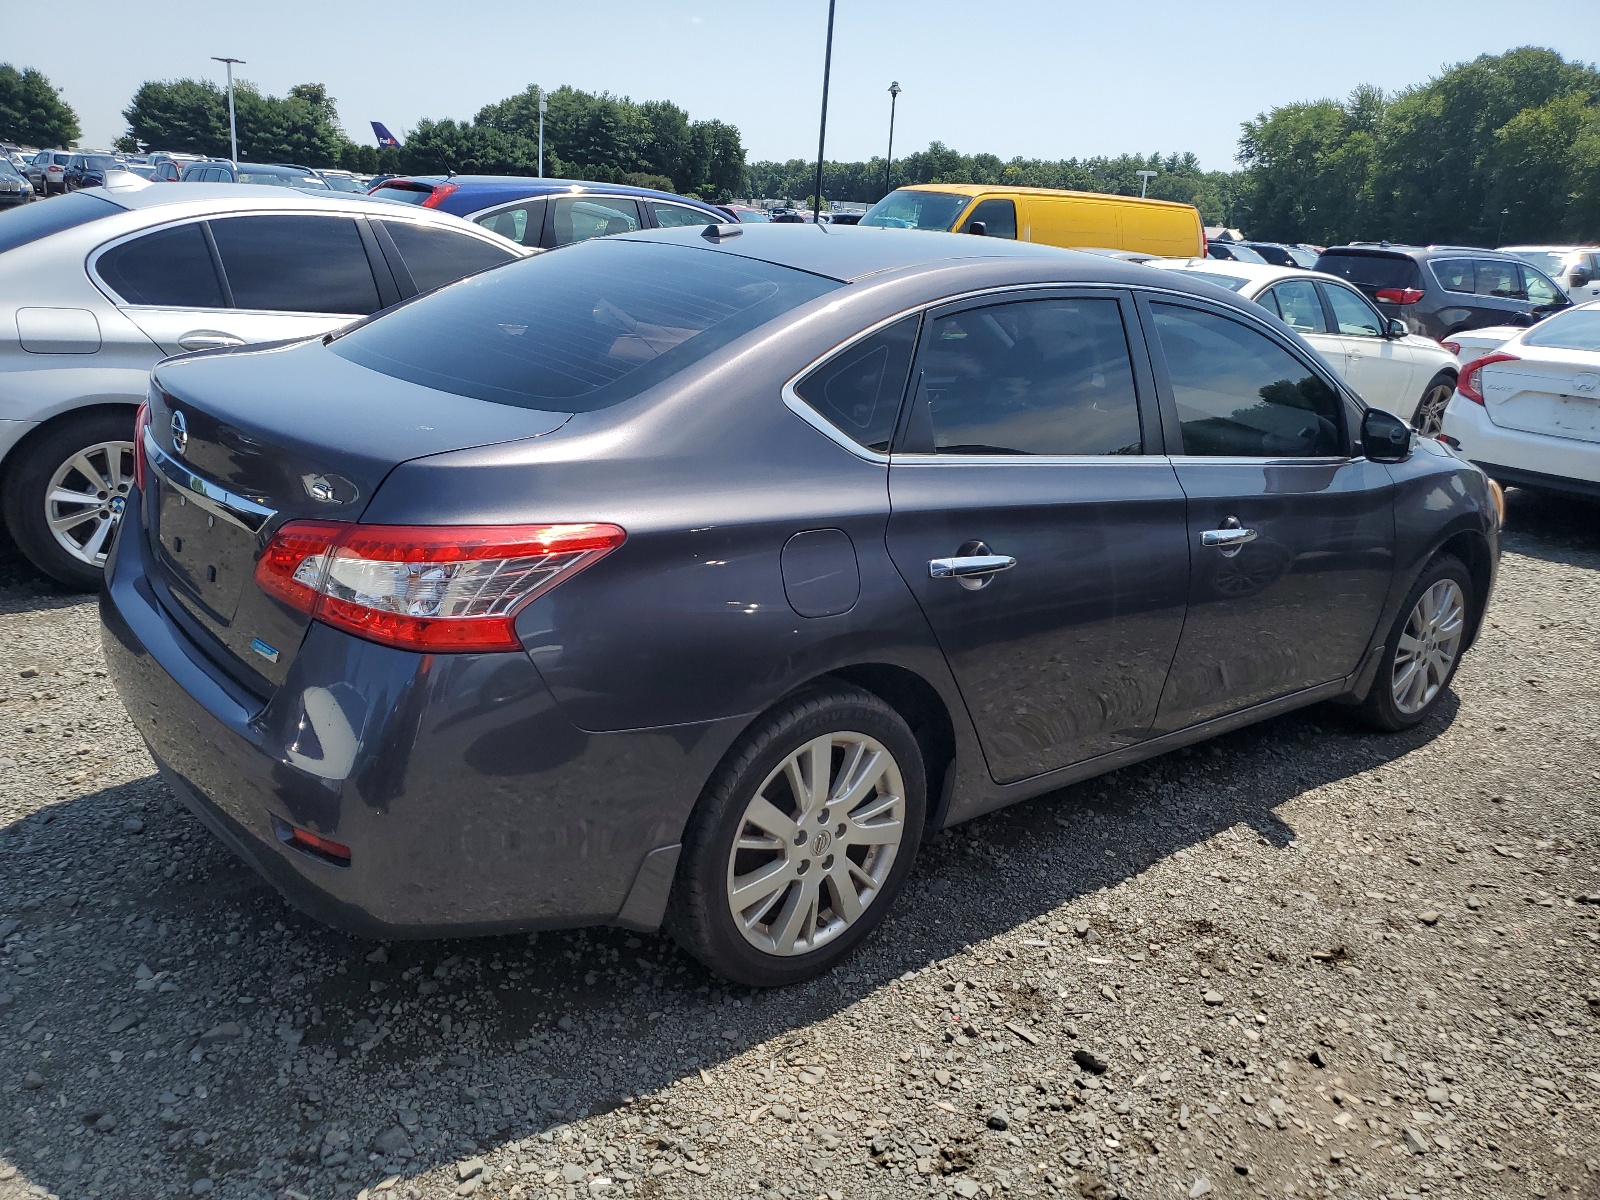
(270, 653)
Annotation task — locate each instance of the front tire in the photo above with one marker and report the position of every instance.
(64, 494)
(1428, 419)
(1424, 648)
(801, 840)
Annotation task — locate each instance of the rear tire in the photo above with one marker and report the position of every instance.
(1428, 418)
(826, 797)
(42, 476)
(1423, 649)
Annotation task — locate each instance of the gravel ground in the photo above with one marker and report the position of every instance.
(1298, 961)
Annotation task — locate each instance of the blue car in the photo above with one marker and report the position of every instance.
(549, 212)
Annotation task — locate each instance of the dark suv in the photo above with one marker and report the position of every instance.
(1440, 290)
(87, 170)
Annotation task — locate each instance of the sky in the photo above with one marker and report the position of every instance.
(1032, 78)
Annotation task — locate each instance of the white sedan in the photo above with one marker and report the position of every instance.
(1400, 372)
(1529, 413)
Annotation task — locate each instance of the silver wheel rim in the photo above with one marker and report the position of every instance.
(816, 843)
(84, 501)
(1430, 413)
(1428, 646)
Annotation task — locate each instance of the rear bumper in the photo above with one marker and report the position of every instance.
(469, 803)
(1516, 457)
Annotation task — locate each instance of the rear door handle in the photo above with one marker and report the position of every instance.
(208, 339)
(1230, 539)
(973, 566)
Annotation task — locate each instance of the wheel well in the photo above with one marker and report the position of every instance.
(922, 708)
(44, 428)
(1471, 549)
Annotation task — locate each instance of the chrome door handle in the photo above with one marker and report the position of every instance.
(1230, 539)
(973, 566)
(208, 339)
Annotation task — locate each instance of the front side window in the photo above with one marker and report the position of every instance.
(1498, 278)
(858, 391)
(296, 264)
(170, 267)
(1297, 303)
(1539, 289)
(910, 208)
(579, 218)
(1240, 394)
(1354, 315)
(678, 216)
(1050, 376)
(436, 257)
(522, 222)
(584, 329)
(997, 216)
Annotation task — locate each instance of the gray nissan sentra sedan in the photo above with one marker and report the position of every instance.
(690, 578)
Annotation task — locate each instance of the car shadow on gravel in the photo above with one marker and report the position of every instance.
(160, 1000)
(1553, 528)
(23, 587)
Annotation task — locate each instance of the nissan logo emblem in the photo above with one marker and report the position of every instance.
(180, 432)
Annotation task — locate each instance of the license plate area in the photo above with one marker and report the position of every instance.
(206, 556)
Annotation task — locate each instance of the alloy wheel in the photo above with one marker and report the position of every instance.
(84, 501)
(1429, 417)
(1428, 646)
(816, 843)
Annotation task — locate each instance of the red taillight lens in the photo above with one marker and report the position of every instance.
(426, 587)
(141, 422)
(1470, 384)
(437, 196)
(1399, 295)
(1453, 347)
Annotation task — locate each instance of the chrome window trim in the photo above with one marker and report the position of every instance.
(1015, 460)
(230, 506)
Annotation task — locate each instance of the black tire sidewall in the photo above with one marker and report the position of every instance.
(1380, 708)
(704, 924)
(27, 477)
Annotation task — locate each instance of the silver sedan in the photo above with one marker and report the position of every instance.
(98, 286)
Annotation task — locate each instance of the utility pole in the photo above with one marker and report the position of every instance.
(822, 133)
(233, 128)
(888, 167)
(544, 105)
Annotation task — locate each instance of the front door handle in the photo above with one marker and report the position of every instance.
(1230, 539)
(208, 339)
(973, 566)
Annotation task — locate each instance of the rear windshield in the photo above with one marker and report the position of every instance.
(1575, 330)
(406, 195)
(100, 162)
(1232, 282)
(30, 222)
(1371, 270)
(583, 328)
(912, 209)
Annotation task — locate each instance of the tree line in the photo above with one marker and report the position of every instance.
(1503, 149)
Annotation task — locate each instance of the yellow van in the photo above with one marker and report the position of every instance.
(1054, 218)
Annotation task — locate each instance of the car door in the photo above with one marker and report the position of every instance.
(1290, 534)
(1381, 369)
(1039, 525)
(1298, 303)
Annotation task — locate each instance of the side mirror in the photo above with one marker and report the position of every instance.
(1385, 438)
(1523, 319)
(978, 228)
(1397, 328)
(1579, 277)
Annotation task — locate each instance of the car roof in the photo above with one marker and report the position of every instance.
(981, 189)
(1400, 250)
(227, 197)
(523, 186)
(853, 252)
(1260, 275)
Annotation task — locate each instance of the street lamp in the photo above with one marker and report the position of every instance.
(233, 128)
(544, 105)
(822, 133)
(888, 167)
(1145, 177)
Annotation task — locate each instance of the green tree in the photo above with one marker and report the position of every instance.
(191, 115)
(32, 111)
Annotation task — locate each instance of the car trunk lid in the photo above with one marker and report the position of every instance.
(1546, 393)
(241, 442)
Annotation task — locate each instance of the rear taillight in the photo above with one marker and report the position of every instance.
(1470, 384)
(1399, 295)
(1453, 347)
(141, 422)
(426, 587)
(437, 196)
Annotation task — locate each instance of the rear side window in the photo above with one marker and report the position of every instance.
(1050, 376)
(859, 390)
(1240, 394)
(170, 267)
(436, 257)
(1455, 274)
(1498, 278)
(579, 218)
(1297, 303)
(521, 223)
(1372, 270)
(30, 222)
(581, 330)
(296, 264)
(997, 216)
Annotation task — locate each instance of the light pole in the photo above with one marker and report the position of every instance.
(822, 133)
(888, 167)
(1145, 178)
(233, 128)
(544, 104)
